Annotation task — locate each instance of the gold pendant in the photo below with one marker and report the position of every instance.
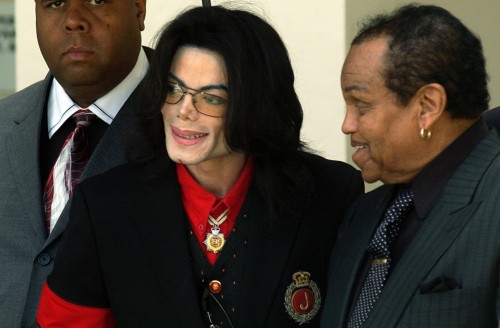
(215, 240)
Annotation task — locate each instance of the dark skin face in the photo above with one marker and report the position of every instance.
(90, 46)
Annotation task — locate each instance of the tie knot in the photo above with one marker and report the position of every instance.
(83, 117)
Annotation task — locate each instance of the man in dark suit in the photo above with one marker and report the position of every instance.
(235, 227)
(492, 118)
(422, 250)
(96, 62)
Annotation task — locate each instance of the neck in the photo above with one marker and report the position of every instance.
(219, 178)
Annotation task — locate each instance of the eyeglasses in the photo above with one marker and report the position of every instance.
(210, 304)
(204, 103)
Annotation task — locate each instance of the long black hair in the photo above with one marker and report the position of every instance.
(264, 116)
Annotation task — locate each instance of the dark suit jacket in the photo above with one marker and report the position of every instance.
(26, 254)
(449, 274)
(492, 118)
(128, 232)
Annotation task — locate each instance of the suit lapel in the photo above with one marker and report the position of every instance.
(440, 229)
(112, 148)
(25, 167)
(354, 244)
(268, 249)
(161, 223)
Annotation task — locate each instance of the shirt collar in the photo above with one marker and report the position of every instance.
(60, 106)
(428, 186)
(198, 202)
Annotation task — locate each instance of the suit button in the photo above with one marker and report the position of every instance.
(215, 286)
(44, 259)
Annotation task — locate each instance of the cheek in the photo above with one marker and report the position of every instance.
(167, 113)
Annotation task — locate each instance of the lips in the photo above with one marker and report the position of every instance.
(360, 149)
(358, 145)
(187, 137)
(77, 53)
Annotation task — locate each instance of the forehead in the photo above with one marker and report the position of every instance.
(198, 65)
(363, 66)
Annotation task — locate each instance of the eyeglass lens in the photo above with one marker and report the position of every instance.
(204, 102)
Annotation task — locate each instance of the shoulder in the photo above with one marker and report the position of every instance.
(333, 173)
(18, 105)
(327, 166)
(129, 178)
(26, 95)
(334, 183)
(492, 118)
(492, 114)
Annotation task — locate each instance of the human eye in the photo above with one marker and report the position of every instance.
(174, 89)
(54, 4)
(362, 107)
(97, 2)
(213, 100)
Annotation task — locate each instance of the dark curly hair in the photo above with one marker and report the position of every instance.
(427, 44)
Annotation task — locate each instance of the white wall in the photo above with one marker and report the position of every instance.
(312, 30)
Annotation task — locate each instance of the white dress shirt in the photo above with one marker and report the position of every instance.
(60, 107)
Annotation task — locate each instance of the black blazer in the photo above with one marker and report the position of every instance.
(126, 247)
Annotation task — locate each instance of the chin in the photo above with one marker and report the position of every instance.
(369, 178)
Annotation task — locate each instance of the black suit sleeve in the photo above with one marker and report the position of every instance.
(77, 275)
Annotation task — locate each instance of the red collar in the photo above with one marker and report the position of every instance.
(198, 202)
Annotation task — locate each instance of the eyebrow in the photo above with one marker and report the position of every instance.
(206, 87)
(355, 87)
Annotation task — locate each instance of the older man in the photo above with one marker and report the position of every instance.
(424, 249)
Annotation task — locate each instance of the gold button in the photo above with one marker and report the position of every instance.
(215, 286)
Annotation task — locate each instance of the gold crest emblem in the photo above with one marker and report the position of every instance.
(215, 240)
(302, 298)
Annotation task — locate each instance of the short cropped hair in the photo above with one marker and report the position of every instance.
(427, 44)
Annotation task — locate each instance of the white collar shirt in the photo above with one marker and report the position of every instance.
(60, 106)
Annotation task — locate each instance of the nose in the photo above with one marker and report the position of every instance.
(186, 107)
(76, 20)
(350, 123)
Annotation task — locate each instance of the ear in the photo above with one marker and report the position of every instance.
(432, 101)
(141, 13)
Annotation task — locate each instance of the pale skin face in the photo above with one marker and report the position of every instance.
(384, 133)
(194, 139)
(90, 46)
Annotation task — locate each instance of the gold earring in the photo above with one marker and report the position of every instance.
(425, 135)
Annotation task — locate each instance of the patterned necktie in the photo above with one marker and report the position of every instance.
(379, 248)
(67, 169)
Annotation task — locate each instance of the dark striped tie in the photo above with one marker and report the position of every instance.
(67, 169)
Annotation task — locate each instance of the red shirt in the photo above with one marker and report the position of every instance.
(198, 202)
